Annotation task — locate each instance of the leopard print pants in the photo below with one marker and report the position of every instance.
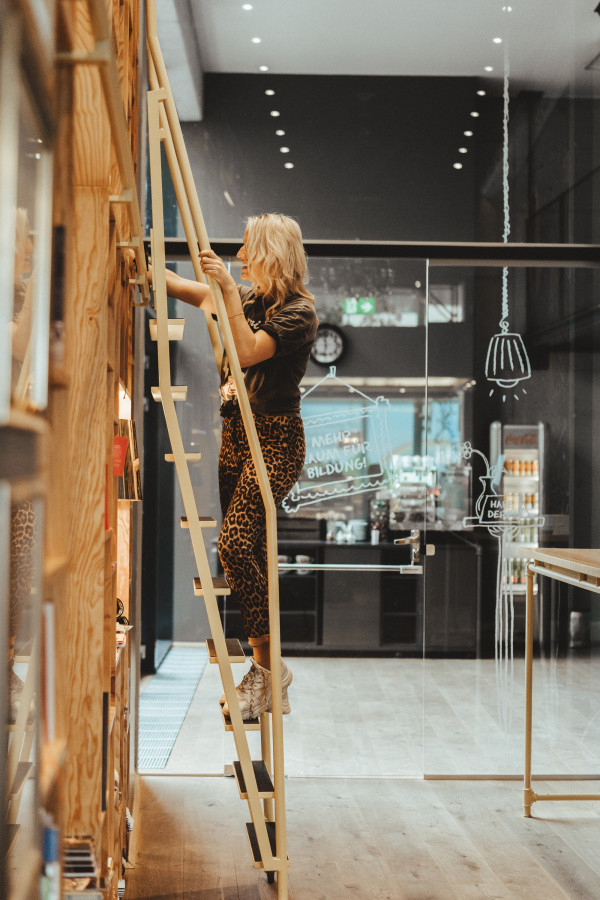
(243, 539)
(22, 529)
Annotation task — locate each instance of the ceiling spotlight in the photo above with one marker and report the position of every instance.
(474, 114)
(284, 149)
(497, 40)
(458, 165)
(289, 165)
(509, 9)
(247, 6)
(468, 133)
(462, 149)
(270, 93)
(280, 132)
(275, 113)
(256, 40)
(481, 93)
(263, 68)
(488, 68)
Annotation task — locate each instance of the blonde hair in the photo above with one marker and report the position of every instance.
(274, 242)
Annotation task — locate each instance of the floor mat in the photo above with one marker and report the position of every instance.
(164, 704)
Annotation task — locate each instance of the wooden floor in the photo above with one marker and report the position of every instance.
(434, 717)
(394, 835)
(369, 839)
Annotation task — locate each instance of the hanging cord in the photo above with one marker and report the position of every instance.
(505, 189)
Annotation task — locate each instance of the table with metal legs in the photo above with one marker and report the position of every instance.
(580, 568)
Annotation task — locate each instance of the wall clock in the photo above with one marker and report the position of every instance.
(329, 345)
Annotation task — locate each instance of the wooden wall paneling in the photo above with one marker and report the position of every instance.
(86, 336)
(87, 457)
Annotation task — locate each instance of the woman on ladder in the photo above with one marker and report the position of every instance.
(274, 324)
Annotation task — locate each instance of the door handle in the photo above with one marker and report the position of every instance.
(414, 539)
(416, 548)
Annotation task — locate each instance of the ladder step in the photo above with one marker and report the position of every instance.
(175, 329)
(205, 522)
(29, 726)
(263, 779)
(249, 724)
(190, 457)
(235, 653)
(258, 863)
(220, 586)
(21, 776)
(10, 835)
(179, 392)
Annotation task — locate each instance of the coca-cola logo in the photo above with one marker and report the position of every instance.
(521, 440)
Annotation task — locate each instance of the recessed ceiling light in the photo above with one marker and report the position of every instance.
(462, 149)
(284, 149)
(256, 40)
(488, 68)
(270, 93)
(507, 9)
(263, 68)
(247, 6)
(481, 93)
(497, 40)
(275, 113)
(468, 133)
(280, 132)
(289, 165)
(474, 114)
(458, 165)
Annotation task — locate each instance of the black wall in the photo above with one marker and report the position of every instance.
(373, 156)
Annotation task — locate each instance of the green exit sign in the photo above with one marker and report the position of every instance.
(359, 306)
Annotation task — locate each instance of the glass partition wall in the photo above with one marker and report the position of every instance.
(451, 405)
(423, 641)
(530, 448)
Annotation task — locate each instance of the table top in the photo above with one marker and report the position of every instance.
(578, 561)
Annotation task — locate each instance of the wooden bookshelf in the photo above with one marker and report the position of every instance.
(77, 736)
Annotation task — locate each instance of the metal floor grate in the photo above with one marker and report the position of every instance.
(165, 702)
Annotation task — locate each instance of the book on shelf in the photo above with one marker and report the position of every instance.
(48, 673)
(125, 461)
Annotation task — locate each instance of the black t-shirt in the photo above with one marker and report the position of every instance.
(273, 385)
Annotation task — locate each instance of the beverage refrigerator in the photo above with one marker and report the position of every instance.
(518, 453)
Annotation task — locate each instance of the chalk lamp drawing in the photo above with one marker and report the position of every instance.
(507, 363)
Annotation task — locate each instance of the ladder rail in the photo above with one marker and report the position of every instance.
(184, 208)
(279, 863)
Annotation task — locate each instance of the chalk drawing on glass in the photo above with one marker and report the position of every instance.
(503, 521)
(507, 363)
(347, 451)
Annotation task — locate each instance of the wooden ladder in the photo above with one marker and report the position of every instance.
(260, 782)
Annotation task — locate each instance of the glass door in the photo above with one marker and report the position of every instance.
(352, 597)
